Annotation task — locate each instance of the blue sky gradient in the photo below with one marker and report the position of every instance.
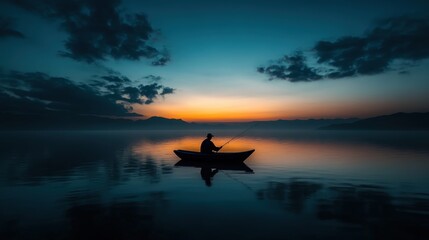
(216, 48)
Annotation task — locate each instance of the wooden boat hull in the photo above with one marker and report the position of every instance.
(217, 157)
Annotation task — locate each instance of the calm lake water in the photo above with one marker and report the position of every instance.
(303, 185)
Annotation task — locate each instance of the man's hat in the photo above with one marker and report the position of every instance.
(209, 135)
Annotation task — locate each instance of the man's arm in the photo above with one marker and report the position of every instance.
(214, 148)
(217, 148)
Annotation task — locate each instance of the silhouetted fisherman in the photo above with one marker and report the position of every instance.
(207, 146)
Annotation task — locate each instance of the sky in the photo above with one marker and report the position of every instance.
(205, 61)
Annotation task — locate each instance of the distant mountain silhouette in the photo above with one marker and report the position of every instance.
(162, 123)
(397, 121)
(302, 124)
(58, 121)
(66, 121)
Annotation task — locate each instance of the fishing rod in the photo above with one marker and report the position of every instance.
(240, 134)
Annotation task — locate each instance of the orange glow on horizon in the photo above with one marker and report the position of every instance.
(211, 109)
(239, 109)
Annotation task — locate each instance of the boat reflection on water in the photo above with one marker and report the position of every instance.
(210, 168)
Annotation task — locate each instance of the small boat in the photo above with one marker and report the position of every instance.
(217, 157)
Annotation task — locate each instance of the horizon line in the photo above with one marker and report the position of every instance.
(278, 119)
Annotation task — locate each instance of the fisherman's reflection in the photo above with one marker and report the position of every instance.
(207, 174)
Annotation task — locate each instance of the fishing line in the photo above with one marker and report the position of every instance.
(235, 179)
(240, 134)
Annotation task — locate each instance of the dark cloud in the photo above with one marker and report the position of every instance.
(120, 88)
(153, 78)
(292, 68)
(393, 40)
(116, 79)
(97, 29)
(7, 30)
(150, 91)
(167, 90)
(162, 59)
(42, 93)
(39, 93)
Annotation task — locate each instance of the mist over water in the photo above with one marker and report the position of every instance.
(125, 185)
